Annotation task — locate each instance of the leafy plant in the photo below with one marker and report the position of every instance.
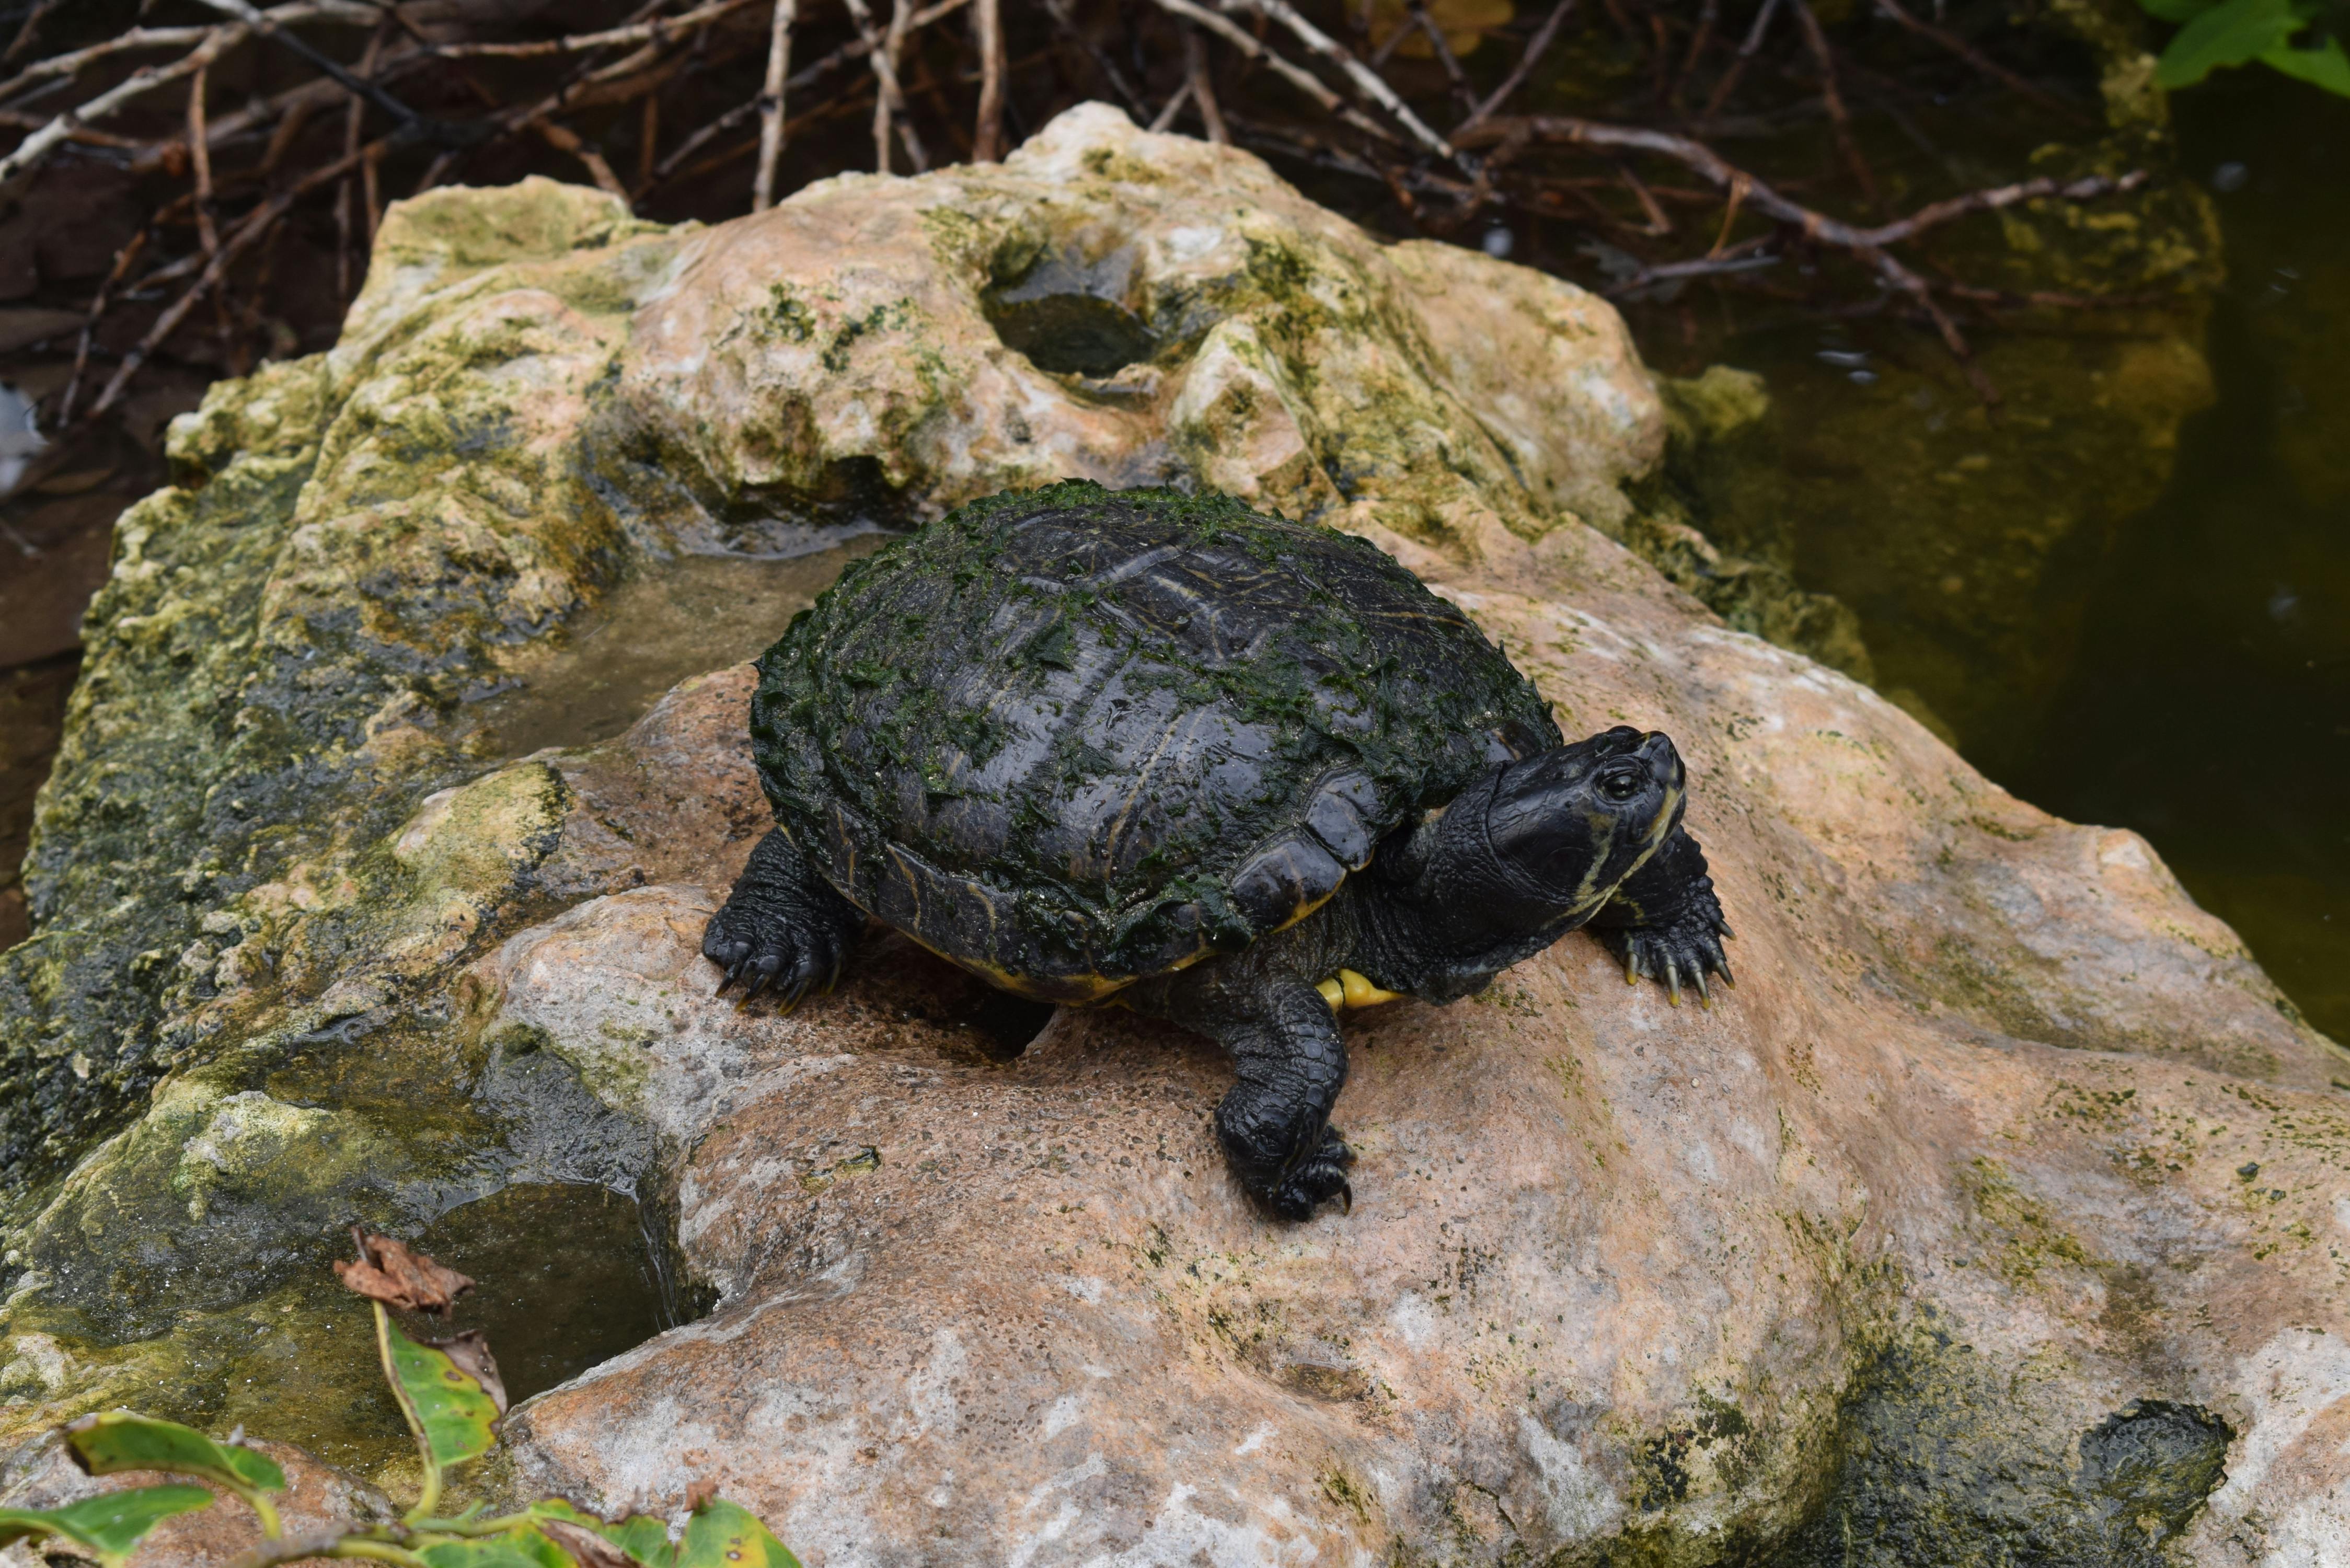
(2214, 34)
(450, 1391)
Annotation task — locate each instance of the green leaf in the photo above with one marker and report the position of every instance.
(722, 1535)
(2176, 10)
(644, 1538)
(2226, 34)
(2327, 68)
(525, 1550)
(109, 1525)
(109, 1444)
(445, 1405)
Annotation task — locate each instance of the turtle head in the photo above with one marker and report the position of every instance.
(1568, 826)
(1540, 843)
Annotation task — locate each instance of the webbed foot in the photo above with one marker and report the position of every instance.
(783, 929)
(1314, 1180)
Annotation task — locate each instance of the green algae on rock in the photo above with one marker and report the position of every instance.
(1007, 1295)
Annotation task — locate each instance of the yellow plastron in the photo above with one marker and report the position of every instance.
(1348, 989)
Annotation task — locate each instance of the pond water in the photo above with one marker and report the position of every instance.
(2209, 706)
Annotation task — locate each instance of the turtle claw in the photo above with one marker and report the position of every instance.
(1318, 1176)
(1680, 953)
(779, 936)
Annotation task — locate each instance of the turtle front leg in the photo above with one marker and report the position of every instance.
(1290, 1063)
(783, 926)
(1665, 923)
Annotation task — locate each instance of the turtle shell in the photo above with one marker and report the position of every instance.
(1072, 737)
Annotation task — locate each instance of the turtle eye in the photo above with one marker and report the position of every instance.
(1620, 785)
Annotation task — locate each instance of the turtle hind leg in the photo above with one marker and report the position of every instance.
(783, 927)
(1275, 1124)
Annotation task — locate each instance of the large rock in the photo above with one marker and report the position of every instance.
(1994, 1219)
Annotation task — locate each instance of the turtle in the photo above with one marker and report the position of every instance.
(1159, 749)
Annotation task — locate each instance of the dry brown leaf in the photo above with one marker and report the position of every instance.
(389, 1272)
(587, 1548)
(470, 1353)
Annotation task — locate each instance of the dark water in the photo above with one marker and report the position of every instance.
(2210, 704)
(566, 1276)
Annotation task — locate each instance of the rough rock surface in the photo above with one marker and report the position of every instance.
(1996, 1218)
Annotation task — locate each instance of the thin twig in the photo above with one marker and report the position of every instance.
(69, 64)
(893, 47)
(357, 87)
(98, 302)
(1444, 55)
(1536, 47)
(660, 29)
(1708, 14)
(987, 135)
(1816, 41)
(143, 80)
(1867, 245)
(1102, 62)
(1660, 225)
(252, 227)
(1202, 85)
(855, 50)
(1722, 88)
(1175, 102)
(1304, 80)
(200, 161)
(885, 80)
(556, 134)
(1892, 12)
(771, 107)
(1747, 257)
(1367, 82)
(30, 33)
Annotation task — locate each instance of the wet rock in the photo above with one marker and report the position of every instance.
(1930, 1233)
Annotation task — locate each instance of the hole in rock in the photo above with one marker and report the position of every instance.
(1068, 315)
(567, 1276)
(676, 619)
(1073, 333)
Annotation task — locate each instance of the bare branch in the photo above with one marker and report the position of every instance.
(1867, 245)
(1367, 82)
(659, 30)
(1536, 48)
(250, 229)
(1301, 79)
(1816, 41)
(70, 64)
(145, 79)
(987, 136)
(1892, 12)
(1203, 87)
(1722, 88)
(770, 106)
